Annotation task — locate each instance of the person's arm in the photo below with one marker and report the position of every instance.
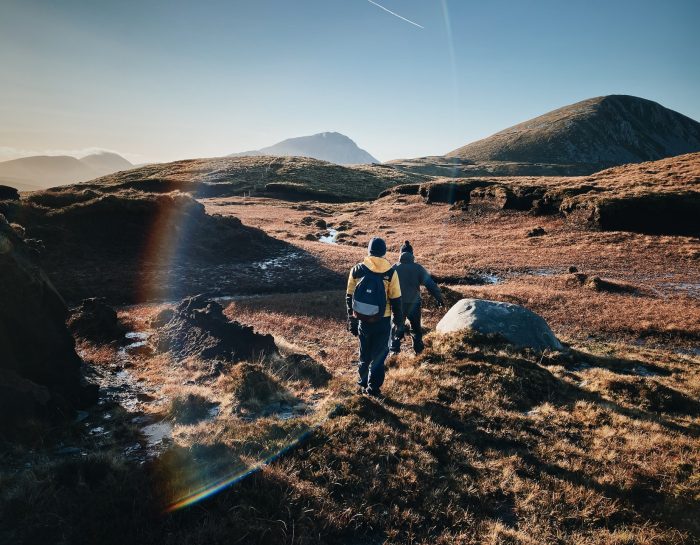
(352, 321)
(432, 287)
(394, 295)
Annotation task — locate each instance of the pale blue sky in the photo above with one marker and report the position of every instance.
(163, 80)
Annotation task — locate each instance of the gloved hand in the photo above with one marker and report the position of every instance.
(353, 325)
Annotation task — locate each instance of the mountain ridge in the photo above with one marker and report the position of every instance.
(44, 171)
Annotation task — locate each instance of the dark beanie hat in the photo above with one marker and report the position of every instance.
(377, 247)
(407, 248)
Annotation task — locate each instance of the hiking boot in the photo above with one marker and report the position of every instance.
(375, 393)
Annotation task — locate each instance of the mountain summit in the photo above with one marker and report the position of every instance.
(326, 146)
(601, 132)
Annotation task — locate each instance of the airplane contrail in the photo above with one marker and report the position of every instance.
(395, 14)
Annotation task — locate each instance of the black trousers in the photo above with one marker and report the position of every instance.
(413, 315)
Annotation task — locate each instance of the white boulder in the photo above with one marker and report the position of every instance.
(518, 325)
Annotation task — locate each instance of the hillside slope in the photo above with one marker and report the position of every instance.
(326, 146)
(576, 140)
(602, 131)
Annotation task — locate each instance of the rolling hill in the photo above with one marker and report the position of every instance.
(43, 171)
(288, 178)
(602, 131)
(326, 146)
(575, 140)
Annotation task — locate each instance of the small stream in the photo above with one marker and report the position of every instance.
(330, 238)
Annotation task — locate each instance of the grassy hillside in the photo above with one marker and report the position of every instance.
(601, 131)
(578, 139)
(475, 443)
(295, 178)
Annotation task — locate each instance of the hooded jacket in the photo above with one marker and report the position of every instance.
(391, 282)
(411, 277)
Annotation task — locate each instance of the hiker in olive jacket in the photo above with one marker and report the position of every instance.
(411, 277)
(374, 332)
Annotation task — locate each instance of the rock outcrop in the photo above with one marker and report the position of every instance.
(517, 325)
(198, 328)
(95, 320)
(40, 372)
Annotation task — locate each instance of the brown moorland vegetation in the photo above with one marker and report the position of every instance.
(632, 287)
(657, 197)
(475, 443)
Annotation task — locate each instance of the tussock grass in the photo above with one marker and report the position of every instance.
(476, 443)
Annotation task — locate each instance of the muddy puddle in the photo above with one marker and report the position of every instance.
(277, 264)
(471, 279)
(691, 289)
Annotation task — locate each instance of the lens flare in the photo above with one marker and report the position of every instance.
(166, 245)
(265, 457)
(193, 468)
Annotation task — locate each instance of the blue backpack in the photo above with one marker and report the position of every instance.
(369, 297)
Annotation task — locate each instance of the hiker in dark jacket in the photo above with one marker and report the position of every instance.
(374, 331)
(411, 277)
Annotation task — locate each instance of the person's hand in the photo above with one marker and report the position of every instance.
(353, 326)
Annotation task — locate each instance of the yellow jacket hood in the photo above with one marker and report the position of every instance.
(377, 264)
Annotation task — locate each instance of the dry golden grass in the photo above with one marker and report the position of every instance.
(455, 244)
(476, 443)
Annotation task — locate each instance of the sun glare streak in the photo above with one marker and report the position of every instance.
(395, 14)
(212, 488)
(166, 247)
(453, 57)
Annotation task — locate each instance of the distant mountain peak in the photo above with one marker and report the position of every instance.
(333, 147)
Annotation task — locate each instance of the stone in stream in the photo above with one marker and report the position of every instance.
(518, 325)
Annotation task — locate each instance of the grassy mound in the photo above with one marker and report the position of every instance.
(189, 408)
(122, 244)
(251, 388)
(300, 367)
